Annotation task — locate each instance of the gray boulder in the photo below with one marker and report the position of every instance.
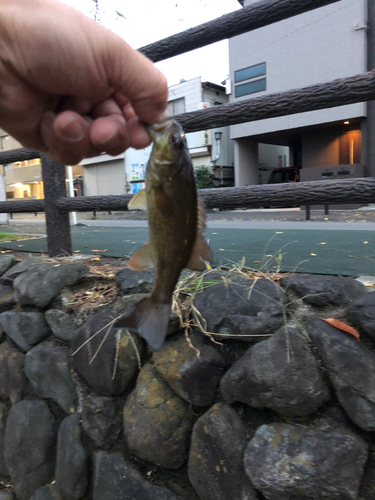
(351, 368)
(25, 328)
(362, 312)
(7, 300)
(71, 461)
(324, 290)
(194, 378)
(279, 373)
(233, 304)
(61, 324)
(7, 495)
(40, 283)
(157, 422)
(128, 281)
(285, 461)
(8, 277)
(6, 262)
(116, 479)
(100, 348)
(47, 492)
(101, 420)
(13, 380)
(216, 468)
(47, 368)
(30, 439)
(3, 417)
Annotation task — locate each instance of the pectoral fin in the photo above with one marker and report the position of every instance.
(142, 259)
(139, 201)
(201, 253)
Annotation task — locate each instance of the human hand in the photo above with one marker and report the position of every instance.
(70, 87)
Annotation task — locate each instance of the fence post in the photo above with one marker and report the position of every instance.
(59, 240)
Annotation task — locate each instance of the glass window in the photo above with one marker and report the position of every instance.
(250, 88)
(251, 72)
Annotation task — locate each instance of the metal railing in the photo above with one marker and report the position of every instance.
(360, 88)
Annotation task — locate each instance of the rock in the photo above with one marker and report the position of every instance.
(362, 312)
(30, 438)
(324, 290)
(113, 350)
(71, 461)
(216, 456)
(7, 495)
(13, 380)
(194, 379)
(61, 324)
(101, 421)
(48, 492)
(351, 368)
(285, 461)
(128, 281)
(267, 376)
(233, 304)
(7, 300)
(8, 278)
(25, 328)
(3, 417)
(157, 422)
(116, 479)
(6, 262)
(47, 368)
(40, 283)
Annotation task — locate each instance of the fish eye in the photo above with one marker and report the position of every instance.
(174, 139)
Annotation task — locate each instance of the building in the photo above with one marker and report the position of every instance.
(104, 175)
(23, 179)
(327, 43)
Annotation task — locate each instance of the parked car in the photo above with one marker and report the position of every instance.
(282, 175)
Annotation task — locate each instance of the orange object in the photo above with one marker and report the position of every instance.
(342, 326)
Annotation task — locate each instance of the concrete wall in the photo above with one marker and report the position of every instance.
(314, 47)
(246, 162)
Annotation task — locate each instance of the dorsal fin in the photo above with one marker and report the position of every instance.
(139, 201)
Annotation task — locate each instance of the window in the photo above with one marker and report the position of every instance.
(255, 84)
(176, 107)
(250, 88)
(251, 72)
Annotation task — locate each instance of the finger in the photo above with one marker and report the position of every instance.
(140, 138)
(67, 137)
(110, 134)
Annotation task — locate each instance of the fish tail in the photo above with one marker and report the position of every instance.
(150, 319)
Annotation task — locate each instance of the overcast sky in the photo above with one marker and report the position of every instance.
(146, 21)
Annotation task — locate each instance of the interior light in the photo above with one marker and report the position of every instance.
(346, 123)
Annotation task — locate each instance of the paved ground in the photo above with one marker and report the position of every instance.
(341, 243)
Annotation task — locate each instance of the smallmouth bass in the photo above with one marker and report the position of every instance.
(176, 222)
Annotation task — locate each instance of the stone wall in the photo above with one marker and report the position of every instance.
(278, 404)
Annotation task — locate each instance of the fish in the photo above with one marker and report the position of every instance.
(176, 220)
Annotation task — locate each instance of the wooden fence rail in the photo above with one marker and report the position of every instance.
(339, 92)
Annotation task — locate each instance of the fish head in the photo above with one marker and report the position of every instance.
(169, 141)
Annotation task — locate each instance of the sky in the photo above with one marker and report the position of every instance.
(142, 22)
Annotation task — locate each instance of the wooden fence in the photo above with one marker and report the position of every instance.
(360, 88)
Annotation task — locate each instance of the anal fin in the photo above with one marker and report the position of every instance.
(201, 253)
(142, 259)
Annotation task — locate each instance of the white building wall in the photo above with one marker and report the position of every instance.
(314, 47)
(245, 157)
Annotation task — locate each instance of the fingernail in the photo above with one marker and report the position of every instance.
(111, 141)
(72, 130)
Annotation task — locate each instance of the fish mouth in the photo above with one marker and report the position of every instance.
(159, 128)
